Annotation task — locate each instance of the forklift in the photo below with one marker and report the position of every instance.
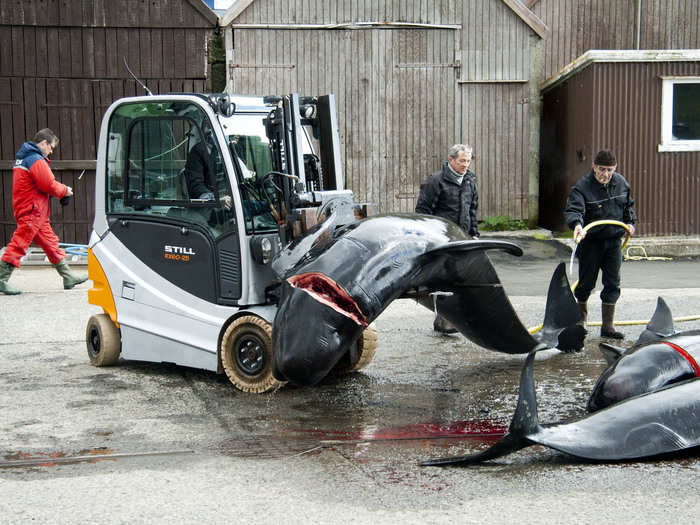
(183, 275)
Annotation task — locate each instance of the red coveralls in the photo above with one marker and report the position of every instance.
(33, 183)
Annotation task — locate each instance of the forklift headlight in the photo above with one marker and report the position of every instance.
(262, 249)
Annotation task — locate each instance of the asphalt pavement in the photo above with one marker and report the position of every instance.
(157, 443)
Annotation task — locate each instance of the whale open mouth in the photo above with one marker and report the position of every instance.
(325, 290)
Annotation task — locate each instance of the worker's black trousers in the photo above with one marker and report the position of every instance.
(596, 255)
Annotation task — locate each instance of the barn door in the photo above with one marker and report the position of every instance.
(396, 93)
(425, 113)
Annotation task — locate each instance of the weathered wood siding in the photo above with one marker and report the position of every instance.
(61, 65)
(580, 25)
(434, 74)
(618, 106)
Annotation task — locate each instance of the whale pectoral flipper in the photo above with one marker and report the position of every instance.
(611, 353)
(653, 438)
(469, 246)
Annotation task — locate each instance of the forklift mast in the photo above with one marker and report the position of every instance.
(312, 185)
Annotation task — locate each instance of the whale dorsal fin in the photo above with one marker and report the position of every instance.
(660, 325)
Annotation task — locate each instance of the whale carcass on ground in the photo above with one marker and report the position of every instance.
(660, 357)
(660, 422)
(337, 280)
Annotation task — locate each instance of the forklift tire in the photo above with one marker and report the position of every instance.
(103, 340)
(366, 349)
(246, 355)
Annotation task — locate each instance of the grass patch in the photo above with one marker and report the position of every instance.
(569, 234)
(501, 223)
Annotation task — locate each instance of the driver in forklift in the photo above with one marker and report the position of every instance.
(203, 167)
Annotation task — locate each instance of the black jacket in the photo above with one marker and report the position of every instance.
(590, 201)
(441, 195)
(199, 171)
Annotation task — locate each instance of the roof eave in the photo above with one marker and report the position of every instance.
(234, 11)
(624, 55)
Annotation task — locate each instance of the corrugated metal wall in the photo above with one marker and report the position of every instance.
(61, 65)
(618, 106)
(401, 101)
(580, 25)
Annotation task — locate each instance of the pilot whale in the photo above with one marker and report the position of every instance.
(337, 280)
(664, 421)
(660, 357)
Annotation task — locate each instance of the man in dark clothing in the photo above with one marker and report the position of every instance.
(199, 172)
(204, 172)
(599, 195)
(451, 194)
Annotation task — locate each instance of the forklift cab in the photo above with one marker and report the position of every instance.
(179, 196)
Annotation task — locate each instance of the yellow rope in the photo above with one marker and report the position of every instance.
(687, 318)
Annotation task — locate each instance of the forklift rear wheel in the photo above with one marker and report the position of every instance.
(366, 349)
(103, 340)
(246, 354)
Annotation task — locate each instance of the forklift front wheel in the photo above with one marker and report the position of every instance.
(246, 354)
(103, 341)
(366, 349)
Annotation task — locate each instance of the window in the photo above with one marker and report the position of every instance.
(163, 161)
(248, 140)
(680, 114)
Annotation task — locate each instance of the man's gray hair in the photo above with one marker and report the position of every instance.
(454, 150)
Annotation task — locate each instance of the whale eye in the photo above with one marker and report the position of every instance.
(326, 291)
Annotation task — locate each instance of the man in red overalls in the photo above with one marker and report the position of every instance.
(33, 184)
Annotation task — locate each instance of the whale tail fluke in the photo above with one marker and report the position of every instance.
(560, 328)
(525, 422)
(505, 446)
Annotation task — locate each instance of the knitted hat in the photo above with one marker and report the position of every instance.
(605, 157)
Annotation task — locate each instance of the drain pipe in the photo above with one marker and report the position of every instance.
(639, 24)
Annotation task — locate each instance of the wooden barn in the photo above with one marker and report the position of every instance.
(62, 64)
(411, 78)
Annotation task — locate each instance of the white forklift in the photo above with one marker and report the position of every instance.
(182, 274)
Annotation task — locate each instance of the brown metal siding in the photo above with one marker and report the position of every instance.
(618, 106)
(580, 25)
(61, 66)
(400, 103)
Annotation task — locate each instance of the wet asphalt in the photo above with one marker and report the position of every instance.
(155, 443)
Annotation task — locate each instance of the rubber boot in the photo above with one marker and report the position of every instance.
(69, 278)
(583, 310)
(607, 328)
(6, 270)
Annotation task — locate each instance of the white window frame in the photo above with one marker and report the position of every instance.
(668, 143)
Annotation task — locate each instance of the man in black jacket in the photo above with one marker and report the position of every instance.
(599, 195)
(451, 194)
